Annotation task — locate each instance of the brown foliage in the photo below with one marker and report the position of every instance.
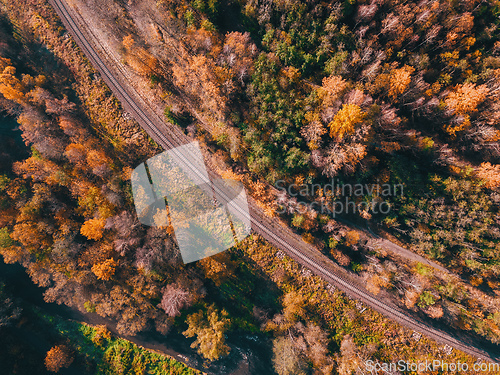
(139, 58)
(13, 254)
(73, 128)
(374, 283)
(343, 157)
(174, 299)
(76, 154)
(58, 357)
(317, 348)
(239, 52)
(96, 253)
(332, 87)
(31, 235)
(97, 157)
(352, 238)
(340, 257)
(313, 130)
(35, 168)
(351, 358)
(198, 77)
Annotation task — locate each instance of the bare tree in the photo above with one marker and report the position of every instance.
(174, 299)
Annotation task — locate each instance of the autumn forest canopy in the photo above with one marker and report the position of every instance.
(278, 93)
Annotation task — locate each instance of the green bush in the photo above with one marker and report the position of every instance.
(89, 307)
(5, 239)
(426, 299)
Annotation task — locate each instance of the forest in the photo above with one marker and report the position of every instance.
(282, 92)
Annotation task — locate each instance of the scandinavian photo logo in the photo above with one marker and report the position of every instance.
(208, 216)
(336, 198)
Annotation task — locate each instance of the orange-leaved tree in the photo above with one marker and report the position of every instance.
(331, 89)
(399, 80)
(490, 174)
(139, 58)
(93, 228)
(58, 357)
(10, 87)
(466, 98)
(105, 270)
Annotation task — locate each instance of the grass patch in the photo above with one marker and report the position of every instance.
(109, 355)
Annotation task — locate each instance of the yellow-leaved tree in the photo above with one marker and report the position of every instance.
(345, 120)
(209, 330)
